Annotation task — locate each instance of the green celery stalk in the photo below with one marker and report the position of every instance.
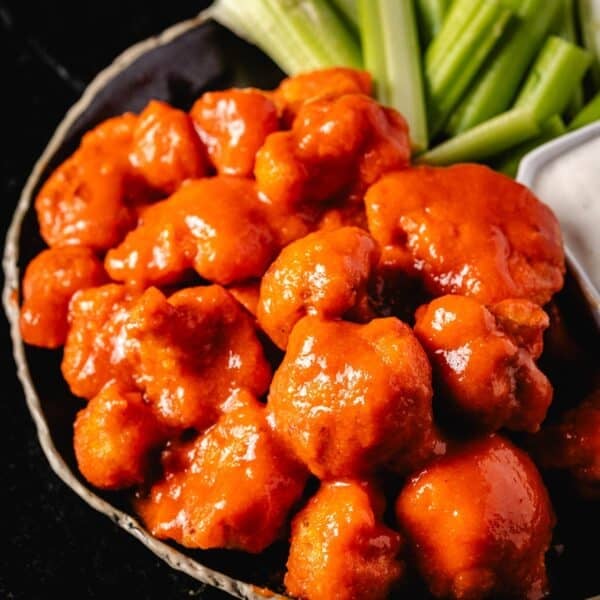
(589, 18)
(461, 13)
(319, 26)
(260, 27)
(567, 30)
(486, 139)
(494, 92)
(588, 114)
(349, 9)
(299, 35)
(515, 6)
(430, 16)
(448, 78)
(557, 71)
(391, 53)
(508, 163)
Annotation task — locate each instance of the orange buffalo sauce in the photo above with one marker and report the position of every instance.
(340, 547)
(485, 374)
(51, 278)
(233, 125)
(479, 522)
(235, 289)
(232, 487)
(454, 228)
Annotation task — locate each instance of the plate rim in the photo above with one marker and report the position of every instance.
(10, 294)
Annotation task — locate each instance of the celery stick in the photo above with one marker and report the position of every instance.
(320, 27)
(567, 30)
(369, 21)
(486, 139)
(391, 53)
(299, 35)
(349, 9)
(441, 73)
(461, 13)
(430, 16)
(494, 92)
(508, 162)
(515, 6)
(557, 71)
(447, 80)
(260, 27)
(588, 114)
(589, 18)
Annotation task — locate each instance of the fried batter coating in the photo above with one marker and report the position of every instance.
(216, 226)
(113, 438)
(573, 444)
(233, 125)
(523, 322)
(286, 231)
(480, 370)
(232, 487)
(347, 398)
(111, 139)
(294, 91)
(91, 198)
(186, 353)
(166, 149)
(247, 294)
(467, 230)
(334, 151)
(83, 202)
(479, 522)
(51, 278)
(95, 347)
(324, 273)
(340, 549)
(190, 352)
(280, 175)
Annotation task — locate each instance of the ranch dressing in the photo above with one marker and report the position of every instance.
(567, 178)
(570, 185)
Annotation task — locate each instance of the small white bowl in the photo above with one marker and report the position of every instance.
(565, 174)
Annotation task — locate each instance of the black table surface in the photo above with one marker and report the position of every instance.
(53, 544)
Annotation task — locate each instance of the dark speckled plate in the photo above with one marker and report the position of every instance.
(178, 66)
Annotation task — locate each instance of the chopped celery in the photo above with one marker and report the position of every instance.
(508, 162)
(557, 71)
(567, 30)
(515, 6)
(299, 35)
(430, 16)
(494, 92)
(486, 139)
(260, 27)
(459, 16)
(391, 53)
(449, 76)
(589, 18)
(588, 114)
(349, 9)
(320, 26)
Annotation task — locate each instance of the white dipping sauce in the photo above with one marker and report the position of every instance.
(570, 185)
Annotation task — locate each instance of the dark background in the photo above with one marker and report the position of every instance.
(54, 545)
